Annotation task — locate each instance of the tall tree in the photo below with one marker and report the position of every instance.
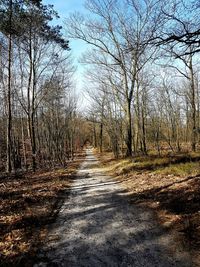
(119, 34)
(27, 23)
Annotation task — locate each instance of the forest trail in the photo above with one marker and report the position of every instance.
(97, 226)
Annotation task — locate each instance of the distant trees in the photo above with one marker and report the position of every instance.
(143, 67)
(119, 34)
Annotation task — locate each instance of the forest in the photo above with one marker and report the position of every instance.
(141, 57)
(138, 107)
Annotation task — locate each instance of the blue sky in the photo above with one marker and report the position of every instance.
(64, 8)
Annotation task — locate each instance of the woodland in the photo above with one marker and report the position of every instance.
(142, 94)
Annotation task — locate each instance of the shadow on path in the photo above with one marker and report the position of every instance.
(98, 226)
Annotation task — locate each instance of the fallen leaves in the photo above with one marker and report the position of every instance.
(27, 205)
(13, 244)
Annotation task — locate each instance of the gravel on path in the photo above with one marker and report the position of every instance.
(98, 226)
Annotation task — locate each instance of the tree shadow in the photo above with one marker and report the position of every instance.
(180, 198)
(108, 231)
(183, 200)
(27, 207)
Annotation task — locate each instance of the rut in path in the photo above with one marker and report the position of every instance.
(97, 226)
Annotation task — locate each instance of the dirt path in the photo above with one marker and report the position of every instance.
(97, 226)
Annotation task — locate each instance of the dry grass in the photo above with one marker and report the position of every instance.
(169, 185)
(182, 169)
(180, 164)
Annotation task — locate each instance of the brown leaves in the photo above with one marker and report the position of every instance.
(26, 206)
(13, 244)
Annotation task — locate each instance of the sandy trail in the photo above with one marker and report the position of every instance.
(97, 226)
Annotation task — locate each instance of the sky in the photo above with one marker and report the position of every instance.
(64, 8)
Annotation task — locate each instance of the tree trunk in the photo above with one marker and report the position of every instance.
(33, 143)
(23, 143)
(9, 118)
(94, 135)
(129, 130)
(193, 104)
(101, 137)
(144, 131)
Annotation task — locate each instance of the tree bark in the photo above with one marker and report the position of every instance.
(193, 104)
(129, 130)
(9, 104)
